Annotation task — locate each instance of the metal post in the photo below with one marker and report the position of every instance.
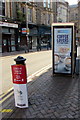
(19, 77)
(77, 66)
(27, 28)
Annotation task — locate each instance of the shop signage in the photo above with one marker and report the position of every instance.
(6, 24)
(24, 30)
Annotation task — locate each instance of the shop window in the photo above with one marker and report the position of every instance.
(12, 42)
(9, 49)
(13, 48)
(18, 39)
(4, 42)
(12, 31)
(5, 30)
(8, 42)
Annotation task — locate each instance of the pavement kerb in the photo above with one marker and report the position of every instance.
(19, 53)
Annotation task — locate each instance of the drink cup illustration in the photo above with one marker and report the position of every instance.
(56, 61)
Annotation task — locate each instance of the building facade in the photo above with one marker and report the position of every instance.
(39, 18)
(32, 15)
(10, 9)
(36, 18)
(79, 21)
(62, 11)
(8, 32)
(74, 17)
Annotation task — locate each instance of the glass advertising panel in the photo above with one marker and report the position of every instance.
(62, 50)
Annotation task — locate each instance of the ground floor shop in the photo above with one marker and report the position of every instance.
(39, 36)
(78, 39)
(15, 38)
(9, 37)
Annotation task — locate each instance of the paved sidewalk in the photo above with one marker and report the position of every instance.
(49, 97)
(19, 52)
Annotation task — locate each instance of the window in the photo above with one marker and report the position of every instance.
(29, 15)
(30, 0)
(5, 30)
(49, 18)
(44, 3)
(2, 8)
(44, 18)
(23, 10)
(48, 3)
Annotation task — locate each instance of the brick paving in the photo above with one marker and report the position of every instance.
(49, 97)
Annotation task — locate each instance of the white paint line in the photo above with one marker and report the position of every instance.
(35, 74)
(6, 92)
(38, 73)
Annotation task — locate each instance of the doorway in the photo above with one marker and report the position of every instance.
(6, 43)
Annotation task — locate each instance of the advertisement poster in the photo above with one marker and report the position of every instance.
(62, 50)
(21, 95)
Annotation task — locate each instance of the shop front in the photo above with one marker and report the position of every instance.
(78, 39)
(45, 35)
(38, 35)
(28, 39)
(9, 36)
(6, 42)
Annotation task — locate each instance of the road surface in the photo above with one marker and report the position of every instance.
(34, 62)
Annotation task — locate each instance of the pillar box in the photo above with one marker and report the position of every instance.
(19, 77)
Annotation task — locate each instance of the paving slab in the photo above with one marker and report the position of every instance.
(49, 97)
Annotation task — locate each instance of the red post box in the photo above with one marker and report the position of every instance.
(19, 77)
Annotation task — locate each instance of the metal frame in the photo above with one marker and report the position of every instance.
(63, 25)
